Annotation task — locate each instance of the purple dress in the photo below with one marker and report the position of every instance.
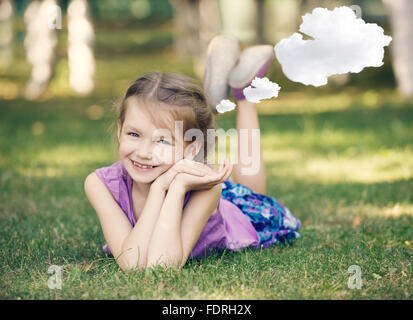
(237, 223)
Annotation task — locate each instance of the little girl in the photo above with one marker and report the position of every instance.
(160, 210)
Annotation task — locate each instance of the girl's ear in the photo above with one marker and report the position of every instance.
(192, 150)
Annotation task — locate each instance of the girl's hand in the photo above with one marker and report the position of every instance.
(192, 182)
(184, 166)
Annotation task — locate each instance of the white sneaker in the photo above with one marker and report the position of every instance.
(253, 62)
(222, 55)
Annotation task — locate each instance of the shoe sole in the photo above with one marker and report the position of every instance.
(249, 65)
(222, 55)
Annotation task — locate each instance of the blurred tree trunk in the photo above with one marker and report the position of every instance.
(240, 20)
(186, 18)
(197, 22)
(307, 6)
(401, 13)
(80, 47)
(6, 32)
(40, 42)
(210, 26)
(260, 21)
(281, 19)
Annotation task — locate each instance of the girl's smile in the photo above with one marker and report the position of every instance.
(142, 167)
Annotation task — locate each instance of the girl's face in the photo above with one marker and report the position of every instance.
(140, 141)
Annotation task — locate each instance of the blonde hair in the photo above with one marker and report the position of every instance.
(178, 98)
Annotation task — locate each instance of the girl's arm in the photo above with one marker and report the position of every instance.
(176, 233)
(123, 240)
(166, 243)
(135, 246)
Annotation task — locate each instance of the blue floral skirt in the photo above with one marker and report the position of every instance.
(272, 221)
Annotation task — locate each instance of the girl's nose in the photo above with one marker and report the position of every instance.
(144, 150)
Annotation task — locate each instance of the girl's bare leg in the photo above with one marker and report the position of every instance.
(247, 118)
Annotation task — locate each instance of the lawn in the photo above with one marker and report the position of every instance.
(341, 161)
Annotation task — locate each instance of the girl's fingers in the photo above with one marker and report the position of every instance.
(227, 170)
(223, 164)
(200, 166)
(212, 175)
(227, 175)
(220, 167)
(223, 170)
(192, 166)
(189, 170)
(196, 172)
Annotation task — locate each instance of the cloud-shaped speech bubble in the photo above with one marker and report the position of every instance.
(341, 43)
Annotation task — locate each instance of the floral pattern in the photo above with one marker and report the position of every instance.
(272, 220)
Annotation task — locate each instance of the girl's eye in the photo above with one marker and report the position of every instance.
(134, 134)
(166, 142)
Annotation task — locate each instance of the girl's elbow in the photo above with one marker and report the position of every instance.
(171, 262)
(131, 259)
(127, 266)
(131, 263)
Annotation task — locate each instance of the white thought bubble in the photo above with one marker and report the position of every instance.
(341, 43)
(261, 88)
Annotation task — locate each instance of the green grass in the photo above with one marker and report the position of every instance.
(341, 161)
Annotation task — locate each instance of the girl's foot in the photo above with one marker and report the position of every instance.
(253, 62)
(222, 55)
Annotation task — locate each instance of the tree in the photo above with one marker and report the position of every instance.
(6, 32)
(40, 43)
(80, 51)
(197, 22)
(401, 12)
